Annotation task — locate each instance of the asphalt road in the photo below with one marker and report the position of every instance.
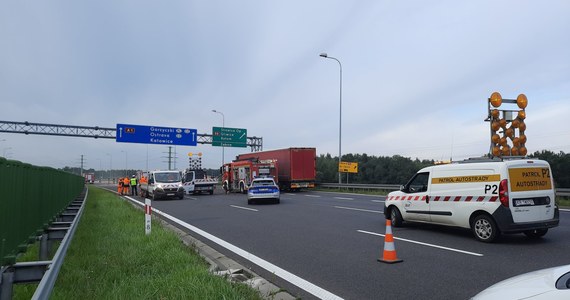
(334, 240)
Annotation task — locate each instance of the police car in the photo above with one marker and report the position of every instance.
(489, 196)
(263, 189)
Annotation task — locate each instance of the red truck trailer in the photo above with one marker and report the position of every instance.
(297, 166)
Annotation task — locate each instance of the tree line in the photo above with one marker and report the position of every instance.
(372, 169)
(398, 169)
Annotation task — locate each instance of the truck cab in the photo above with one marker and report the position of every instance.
(196, 181)
(238, 175)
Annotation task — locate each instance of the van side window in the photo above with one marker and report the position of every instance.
(418, 183)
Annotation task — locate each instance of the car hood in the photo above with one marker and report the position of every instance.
(533, 285)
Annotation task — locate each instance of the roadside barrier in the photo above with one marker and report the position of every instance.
(32, 197)
(560, 192)
(38, 204)
(389, 255)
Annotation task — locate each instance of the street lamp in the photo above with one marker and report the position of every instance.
(4, 151)
(125, 162)
(324, 55)
(223, 125)
(110, 166)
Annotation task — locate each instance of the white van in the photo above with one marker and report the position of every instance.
(489, 196)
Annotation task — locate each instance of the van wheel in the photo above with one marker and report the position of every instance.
(485, 229)
(396, 217)
(535, 234)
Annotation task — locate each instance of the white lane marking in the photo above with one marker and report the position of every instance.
(424, 244)
(290, 194)
(314, 196)
(246, 208)
(564, 209)
(343, 198)
(381, 201)
(271, 268)
(360, 209)
(192, 198)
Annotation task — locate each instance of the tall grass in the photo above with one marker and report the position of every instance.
(110, 257)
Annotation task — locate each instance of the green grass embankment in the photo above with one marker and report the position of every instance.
(110, 257)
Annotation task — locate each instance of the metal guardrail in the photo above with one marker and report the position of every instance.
(560, 192)
(563, 192)
(45, 271)
(359, 186)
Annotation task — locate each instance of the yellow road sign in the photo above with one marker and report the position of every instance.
(348, 167)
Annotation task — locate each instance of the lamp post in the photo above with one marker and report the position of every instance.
(223, 125)
(110, 166)
(125, 162)
(324, 55)
(100, 169)
(4, 151)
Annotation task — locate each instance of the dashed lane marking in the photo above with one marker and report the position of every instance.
(424, 244)
(246, 208)
(360, 209)
(343, 198)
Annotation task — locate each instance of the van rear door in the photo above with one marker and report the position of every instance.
(531, 191)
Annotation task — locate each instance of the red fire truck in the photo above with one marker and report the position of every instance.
(237, 175)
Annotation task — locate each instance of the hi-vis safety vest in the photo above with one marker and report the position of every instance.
(133, 181)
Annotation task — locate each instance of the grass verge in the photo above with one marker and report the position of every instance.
(563, 201)
(110, 257)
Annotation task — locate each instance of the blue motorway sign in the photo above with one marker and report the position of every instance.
(128, 133)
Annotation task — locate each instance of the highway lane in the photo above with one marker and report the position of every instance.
(332, 240)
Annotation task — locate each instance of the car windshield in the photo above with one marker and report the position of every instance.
(167, 177)
(263, 182)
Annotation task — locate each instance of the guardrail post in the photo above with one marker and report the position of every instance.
(6, 285)
(44, 247)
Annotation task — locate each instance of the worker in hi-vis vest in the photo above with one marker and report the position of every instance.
(120, 186)
(126, 183)
(134, 191)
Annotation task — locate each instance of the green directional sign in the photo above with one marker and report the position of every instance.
(229, 137)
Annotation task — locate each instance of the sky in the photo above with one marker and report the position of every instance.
(416, 75)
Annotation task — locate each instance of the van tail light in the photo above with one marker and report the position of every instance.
(504, 192)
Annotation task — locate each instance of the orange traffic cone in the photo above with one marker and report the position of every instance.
(389, 248)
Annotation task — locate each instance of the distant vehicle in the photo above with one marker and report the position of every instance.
(238, 175)
(263, 189)
(545, 284)
(489, 196)
(297, 166)
(162, 184)
(89, 177)
(196, 181)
